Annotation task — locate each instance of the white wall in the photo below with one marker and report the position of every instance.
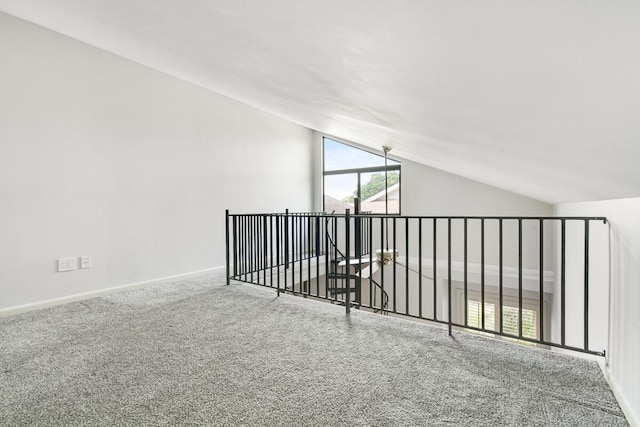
(442, 193)
(104, 157)
(624, 275)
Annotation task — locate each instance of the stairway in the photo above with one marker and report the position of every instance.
(364, 269)
(363, 264)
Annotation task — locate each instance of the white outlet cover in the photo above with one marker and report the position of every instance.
(66, 264)
(85, 262)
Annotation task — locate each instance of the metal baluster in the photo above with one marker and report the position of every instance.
(541, 279)
(482, 274)
(395, 307)
(435, 268)
(520, 277)
(586, 284)
(347, 234)
(406, 237)
(449, 272)
(562, 282)
(466, 275)
(420, 267)
(500, 279)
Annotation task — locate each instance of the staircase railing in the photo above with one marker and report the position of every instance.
(535, 280)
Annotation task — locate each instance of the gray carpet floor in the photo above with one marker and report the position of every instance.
(195, 352)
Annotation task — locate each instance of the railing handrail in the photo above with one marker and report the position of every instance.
(303, 237)
(440, 217)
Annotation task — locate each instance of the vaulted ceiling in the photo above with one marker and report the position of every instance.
(538, 97)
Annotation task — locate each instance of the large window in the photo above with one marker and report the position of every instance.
(351, 173)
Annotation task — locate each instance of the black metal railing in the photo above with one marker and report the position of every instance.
(491, 274)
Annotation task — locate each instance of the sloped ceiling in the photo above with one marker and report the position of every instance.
(538, 97)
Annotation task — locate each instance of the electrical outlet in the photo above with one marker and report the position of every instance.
(85, 262)
(66, 264)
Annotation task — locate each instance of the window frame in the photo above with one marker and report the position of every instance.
(509, 301)
(359, 171)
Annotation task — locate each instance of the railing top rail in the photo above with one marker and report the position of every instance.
(431, 217)
(284, 214)
(528, 218)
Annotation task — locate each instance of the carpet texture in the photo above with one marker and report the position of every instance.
(196, 352)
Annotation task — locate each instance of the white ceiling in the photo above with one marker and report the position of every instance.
(538, 97)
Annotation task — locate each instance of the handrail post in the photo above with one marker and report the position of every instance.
(286, 239)
(278, 236)
(358, 250)
(347, 233)
(563, 267)
(482, 274)
(226, 217)
(449, 273)
(586, 285)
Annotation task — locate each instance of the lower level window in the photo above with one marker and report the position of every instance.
(509, 316)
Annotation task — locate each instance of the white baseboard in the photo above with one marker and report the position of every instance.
(97, 293)
(632, 418)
